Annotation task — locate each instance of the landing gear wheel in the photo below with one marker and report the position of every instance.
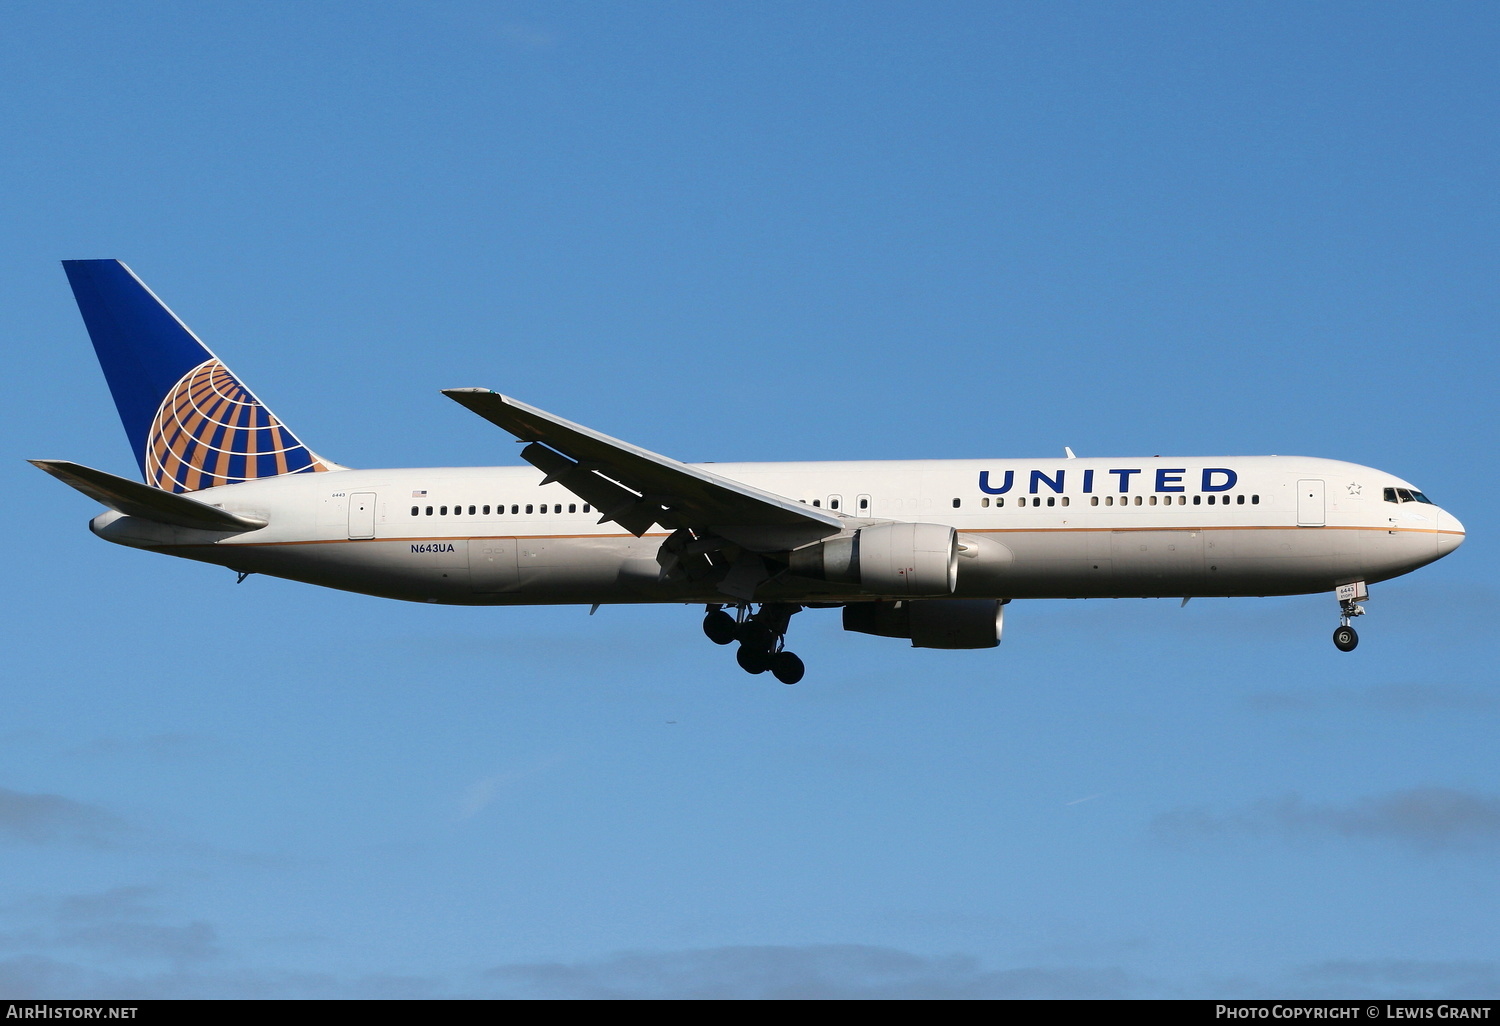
(753, 660)
(720, 627)
(756, 635)
(1345, 639)
(787, 667)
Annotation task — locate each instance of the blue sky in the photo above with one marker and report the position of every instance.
(756, 231)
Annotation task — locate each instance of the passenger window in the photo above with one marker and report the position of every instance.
(1137, 500)
(864, 503)
(486, 511)
(1052, 500)
(514, 509)
(557, 508)
(1000, 501)
(1197, 500)
(984, 503)
(414, 510)
(957, 503)
(471, 511)
(1255, 500)
(818, 503)
(1109, 500)
(1093, 500)
(572, 507)
(429, 511)
(585, 507)
(1065, 500)
(528, 509)
(1153, 500)
(442, 511)
(833, 502)
(1239, 500)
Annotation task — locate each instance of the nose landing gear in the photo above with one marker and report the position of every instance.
(761, 635)
(1345, 638)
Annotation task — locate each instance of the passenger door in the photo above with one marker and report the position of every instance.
(362, 515)
(1310, 503)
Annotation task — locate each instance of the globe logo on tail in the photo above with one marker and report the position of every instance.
(210, 430)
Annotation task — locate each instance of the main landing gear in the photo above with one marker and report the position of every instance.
(1345, 638)
(761, 636)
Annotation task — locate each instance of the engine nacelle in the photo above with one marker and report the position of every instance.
(931, 623)
(886, 559)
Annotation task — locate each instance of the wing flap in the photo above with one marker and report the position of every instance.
(633, 486)
(141, 500)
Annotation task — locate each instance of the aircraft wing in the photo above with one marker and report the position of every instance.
(636, 488)
(142, 500)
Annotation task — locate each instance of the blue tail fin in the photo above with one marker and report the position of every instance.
(190, 421)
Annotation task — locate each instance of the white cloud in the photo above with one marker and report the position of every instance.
(800, 972)
(52, 819)
(1427, 817)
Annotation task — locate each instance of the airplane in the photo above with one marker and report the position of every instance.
(929, 551)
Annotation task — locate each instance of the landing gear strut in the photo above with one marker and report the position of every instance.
(1345, 638)
(761, 635)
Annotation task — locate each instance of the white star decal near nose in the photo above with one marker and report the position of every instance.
(1353, 488)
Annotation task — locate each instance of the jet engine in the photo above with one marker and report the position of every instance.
(931, 623)
(886, 559)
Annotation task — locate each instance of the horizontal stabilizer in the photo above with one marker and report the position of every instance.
(142, 500)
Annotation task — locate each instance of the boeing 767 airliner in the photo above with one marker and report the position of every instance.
(925, 550)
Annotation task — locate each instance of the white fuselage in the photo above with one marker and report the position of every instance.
(1037, 528)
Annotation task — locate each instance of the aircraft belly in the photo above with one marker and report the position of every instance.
(1178, 562)
(1283, 561)
(1160, 562)
(607, 569)
(1385, 554)
(1013, 564)
(1043, 564)
(388, 569)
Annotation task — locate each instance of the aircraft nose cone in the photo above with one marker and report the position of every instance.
(1450, 533)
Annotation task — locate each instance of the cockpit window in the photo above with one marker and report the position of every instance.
(1406, 495)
